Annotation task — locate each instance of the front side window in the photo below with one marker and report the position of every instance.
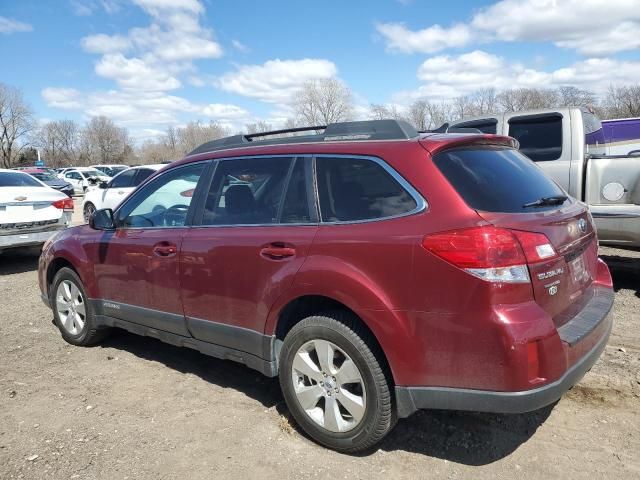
(540, 136)
(164, 202)
(123, 180)
(142, 175)
(247, 191)
(353, 189)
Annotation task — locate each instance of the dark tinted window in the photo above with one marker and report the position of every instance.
(295, 208)
(141, 175)
(247, 191)
(45, 176)
(485, 126)
(73, 175)
(11, 179)
(353, 189)
(124, 180)
(540, 136)
(496, 180)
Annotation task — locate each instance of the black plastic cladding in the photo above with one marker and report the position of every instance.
(343, 131)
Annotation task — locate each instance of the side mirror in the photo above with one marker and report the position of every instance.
(102, 220)
(103, 185)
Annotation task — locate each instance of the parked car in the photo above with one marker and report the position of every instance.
(51, 180)
(110, 194)
(569, 144)
(30, 211)
(622, 136)
(82, 178)
(376, 271)
(110, 170)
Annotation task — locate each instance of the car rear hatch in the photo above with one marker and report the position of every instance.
(555, 232)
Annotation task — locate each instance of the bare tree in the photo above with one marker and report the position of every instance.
(483, 101)
(258, 127)
(59, 142)
(105, 142)
(383, 112)
(622, 102)
(325, 101)
(16, 122)
(569, 96)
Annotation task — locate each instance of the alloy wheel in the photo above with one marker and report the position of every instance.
(71, 307)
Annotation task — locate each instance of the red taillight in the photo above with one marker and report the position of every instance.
(65, 204)
(536, 246)
(480, 247)
(491, 253)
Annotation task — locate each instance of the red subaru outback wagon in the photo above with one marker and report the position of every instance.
(374, 269)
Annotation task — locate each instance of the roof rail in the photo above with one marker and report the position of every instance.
(334, 132)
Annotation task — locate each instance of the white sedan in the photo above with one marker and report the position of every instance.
(82, 177)
(110, 194)
(30, 211)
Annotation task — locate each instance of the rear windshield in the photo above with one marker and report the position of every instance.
(11, 179)
(45, 176)
(496, 179)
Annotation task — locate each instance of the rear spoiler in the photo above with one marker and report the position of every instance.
(446, 128)
(438, 142)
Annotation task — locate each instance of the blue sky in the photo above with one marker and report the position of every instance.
(152, 63)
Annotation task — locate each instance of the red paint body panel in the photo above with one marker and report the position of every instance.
(436, 324)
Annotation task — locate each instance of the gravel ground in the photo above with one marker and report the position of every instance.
(134, 408)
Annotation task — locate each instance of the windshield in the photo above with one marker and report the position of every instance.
(45, 176)
(92, 173)
(15, 179)
(497, 179)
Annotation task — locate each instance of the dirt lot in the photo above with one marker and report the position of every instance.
(134, 408)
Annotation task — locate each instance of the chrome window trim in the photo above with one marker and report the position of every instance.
(421, 202)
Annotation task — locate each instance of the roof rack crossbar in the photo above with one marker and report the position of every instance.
(286, 130)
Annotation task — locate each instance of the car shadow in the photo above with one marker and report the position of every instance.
(625, 272)
(18, 261)
(224, 373)
(462, 437)
(468, 438)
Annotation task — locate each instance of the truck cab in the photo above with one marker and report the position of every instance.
(569, 144)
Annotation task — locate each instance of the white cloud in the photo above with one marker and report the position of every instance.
(429, 40)
(239, 46)
(158, 52)
(275, 81)
(449, 76)
(9, 25)
(141, 109)
(592, 27)
(84, 8)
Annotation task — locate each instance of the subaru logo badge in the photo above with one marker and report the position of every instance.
(582, 225)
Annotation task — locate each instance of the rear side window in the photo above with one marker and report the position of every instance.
(540, 136)
(247, 191)
(142, 175)
(124, 180)
(496, 179)
(353, 189)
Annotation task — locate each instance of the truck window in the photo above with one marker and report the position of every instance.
(540, 136)
(486, 125)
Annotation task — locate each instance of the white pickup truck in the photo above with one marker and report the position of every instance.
(570, 146)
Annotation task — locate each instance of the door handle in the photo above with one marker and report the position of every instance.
(165, 249)
(276, 252)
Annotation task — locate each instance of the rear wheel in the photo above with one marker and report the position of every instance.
(72, 312)
(333, 383)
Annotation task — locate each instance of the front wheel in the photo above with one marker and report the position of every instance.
(333, 383)
(89, 209)
(72, 312)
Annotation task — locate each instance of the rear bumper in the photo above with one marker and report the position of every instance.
(27, 239)
(596, 315)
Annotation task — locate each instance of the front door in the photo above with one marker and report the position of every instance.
(136, 266)
(256, 229)
(118, 189)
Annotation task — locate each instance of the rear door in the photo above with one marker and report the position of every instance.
(257, 225)
(501, 185)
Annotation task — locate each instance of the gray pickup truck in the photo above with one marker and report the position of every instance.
(569, 145)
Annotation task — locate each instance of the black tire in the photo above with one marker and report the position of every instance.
(88, 210)
(345, 332)
(90, 334)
